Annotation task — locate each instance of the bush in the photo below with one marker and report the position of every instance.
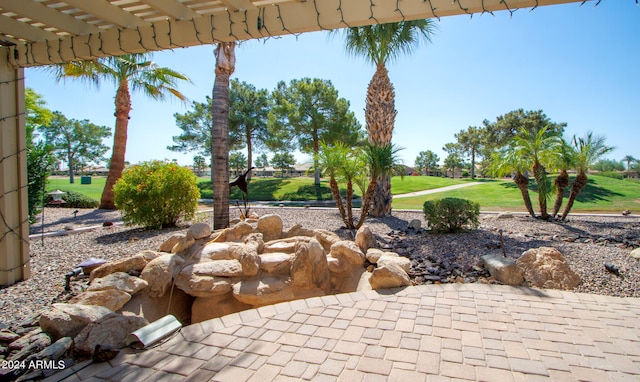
(156, 194)
(451, 214)
(612, 174)
(74, 199)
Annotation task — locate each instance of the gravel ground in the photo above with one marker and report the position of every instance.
(586, 241)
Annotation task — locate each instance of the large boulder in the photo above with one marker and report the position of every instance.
(134, 263)
(250, 259)
(159, 273)
(267, 291)
(67, 320)
(309, 267)
(220, 251)
(270, 226)
(171, 242)
(276, 263)
(392, 257)
(326, 238)
(349, 251)
(32, 344)
(503, 269)
(199, 231)
(635, 253)
(202, 285)
(112, 299)
(546, 267)
(120, 281)
(286, 245)
(388, 276)
(365, 238)
(109, 332)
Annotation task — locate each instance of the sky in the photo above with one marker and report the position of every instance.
(578, 64)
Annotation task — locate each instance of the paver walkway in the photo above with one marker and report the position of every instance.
(436, 190)
(448, 332)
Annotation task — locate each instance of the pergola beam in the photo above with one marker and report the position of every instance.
(173, 8)
(48, 16)
(108, 12)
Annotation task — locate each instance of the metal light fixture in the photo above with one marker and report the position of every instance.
(154, 332)
(57, 197)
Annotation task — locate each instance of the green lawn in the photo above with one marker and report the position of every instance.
(601, 194)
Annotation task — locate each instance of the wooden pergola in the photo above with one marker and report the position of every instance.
(44, 32)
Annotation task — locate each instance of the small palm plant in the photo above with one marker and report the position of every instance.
(562, 162)
(587, 151)
(509, 161)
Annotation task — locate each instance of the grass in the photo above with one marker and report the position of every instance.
(601, 194)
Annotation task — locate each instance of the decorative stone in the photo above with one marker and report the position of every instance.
(389, 276)
(338, 266)
(134, 263)
(270, 226)
(276, 263)
(546, 267)
(389, 257)
(36, 343)
(199, 231)
(326, 238)
(202, 286)
(220, 251)
(118, 280)
(56, 350)
(159, 273)
(183, 245)
(373, 255)
(90, 264)
(219, 268)
(110, 331)
(67, 320)
(415, 224)
(504, 215)
(7, 336)
(503, 269)
(309, 267)
(267, 291)
(112, 299)
(298, 230)
(365, 238)
(635, 253)
(171, 242)
(287, 245)
(349, 251)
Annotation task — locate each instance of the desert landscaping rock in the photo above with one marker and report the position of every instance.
(546, 267)
(112, 299)
(159, 273)
(109, 332)
(67, 320)
(503, 269)
(199, 231)
(349, 251)
(120, 281)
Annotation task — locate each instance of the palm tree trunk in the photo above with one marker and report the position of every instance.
(225, 66)
(539, 173)
(578, 184)
(116, 166)
(366, 202)
(335, 191)
(523, 184)
(380, 116)
(561, 183)
(350, 203)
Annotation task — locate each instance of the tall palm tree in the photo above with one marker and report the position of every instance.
(509, 161)
(225, 66)
(629, 159)
(588, 150)
(129, 72)
(538, 148)
(380, 44)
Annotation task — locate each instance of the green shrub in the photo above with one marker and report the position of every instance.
(451, 214)
(74, 199)
(612, 174)
(156, 194)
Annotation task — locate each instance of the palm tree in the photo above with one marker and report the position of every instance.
(629, 159)
(509, 161)
(539, 147)
(129, 72)
(380, 44)
(562, 162)
(225, 66)
(587, 150)
(330, 159)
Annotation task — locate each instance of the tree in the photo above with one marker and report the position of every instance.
(199, 164)
(453, 161)
(604, 165)
(471, 141)
(427, 160)
(562, 162)
(129, 72)
(311, 111)
(588, 149)
(237, 161)
(500, 133)
(39, 156)
(538, 148)
(283, 161)
(225, 66)
(196, 129)
(262, 161)
(379, 44)
(509, 161)
(629, 159)
(248, 115)
(76, 141)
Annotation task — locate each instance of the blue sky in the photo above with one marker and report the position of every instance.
(579, 64)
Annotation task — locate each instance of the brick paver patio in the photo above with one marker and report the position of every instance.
(448, 332)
